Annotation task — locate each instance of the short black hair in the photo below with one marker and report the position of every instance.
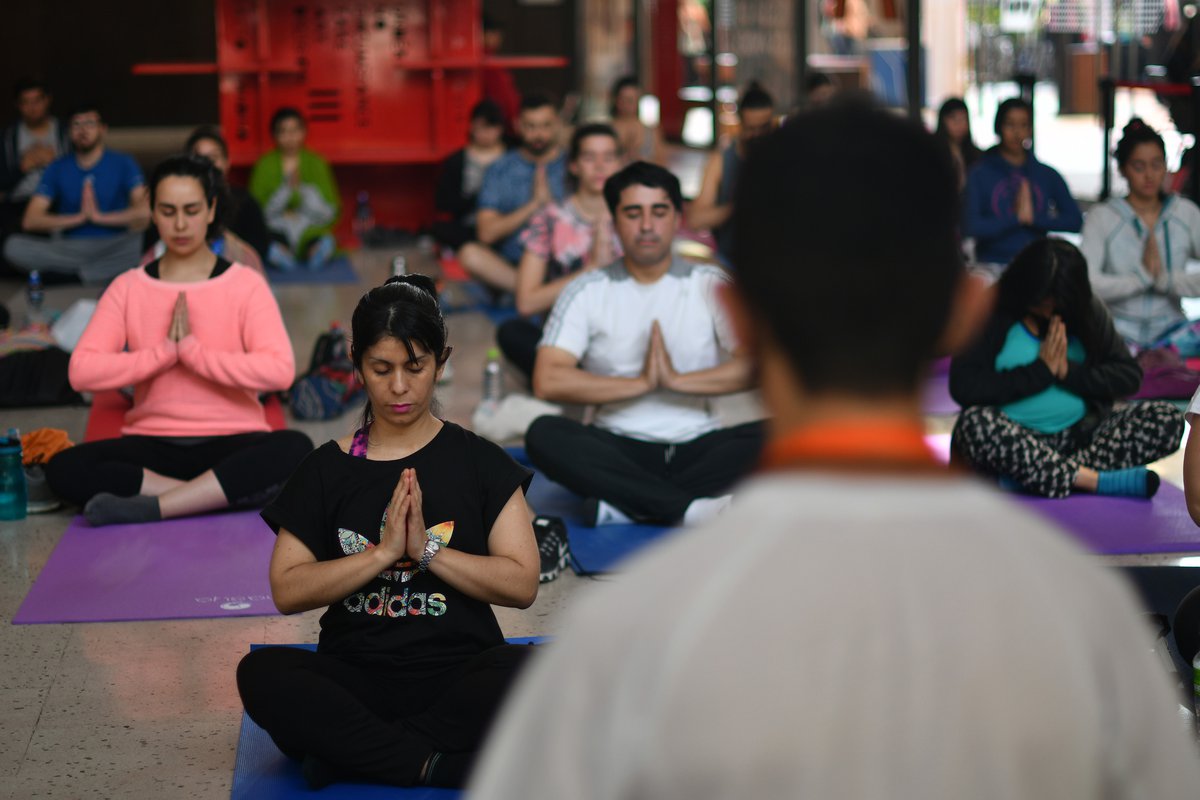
(286, 113)
(532, 100)
(27, 83)
(488, 112)
(590, 129)
(853, 286)
(87, 106)
(624, 82)
(815, 80)
(755, 97)
(1007, 107)
(1137, 133)
(209, 132)
(642, 173)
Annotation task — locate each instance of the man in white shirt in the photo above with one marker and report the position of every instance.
(645, 340)
(861, 622)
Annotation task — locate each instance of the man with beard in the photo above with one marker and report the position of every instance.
(646, 341)
(516, 186)
(92, 203)
(713, 206)
(27, 147)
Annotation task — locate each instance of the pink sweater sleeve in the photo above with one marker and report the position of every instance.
(100, 361)
(265, 363)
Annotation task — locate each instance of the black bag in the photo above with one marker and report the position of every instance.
(36, 378)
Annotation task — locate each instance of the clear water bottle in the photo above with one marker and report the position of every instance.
(399, 266)
(493, 381)
(13, 494)
(35, 295)
(364, 217)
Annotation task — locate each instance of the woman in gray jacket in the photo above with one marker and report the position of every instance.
(1137, 247)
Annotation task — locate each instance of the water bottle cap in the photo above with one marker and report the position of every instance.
(493, 354)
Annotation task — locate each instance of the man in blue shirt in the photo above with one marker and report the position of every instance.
(515, 188)
(93, 205)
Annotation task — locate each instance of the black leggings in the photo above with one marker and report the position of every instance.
(648, 481)
(249, 466)
(369, 722)
(518, 340)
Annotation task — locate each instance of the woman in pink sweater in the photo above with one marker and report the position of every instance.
(198, 338)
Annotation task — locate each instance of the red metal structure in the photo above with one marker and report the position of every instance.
(386, 87)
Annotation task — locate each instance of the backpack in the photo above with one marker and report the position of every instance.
(330, 386)
(36, 378)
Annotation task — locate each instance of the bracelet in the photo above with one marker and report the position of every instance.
(432, 548)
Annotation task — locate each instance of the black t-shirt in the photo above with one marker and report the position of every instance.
(402, 619)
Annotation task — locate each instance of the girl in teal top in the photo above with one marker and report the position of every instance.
(299, 197)
(1038, 386)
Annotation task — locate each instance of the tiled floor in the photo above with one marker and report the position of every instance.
(149, 709)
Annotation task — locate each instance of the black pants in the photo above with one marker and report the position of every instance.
(518, 341)
(647, 481)
(1046, 463)
(249, 466)
(370, 723)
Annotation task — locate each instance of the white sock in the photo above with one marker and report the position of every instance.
(608, 515)
(702, 509)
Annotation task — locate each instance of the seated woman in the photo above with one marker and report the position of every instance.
(1011, 198)
(298, 195)
(1037, 388)
(564, 240)
(198, 338)
(1137, 247)
(409, 531)
(638, 141)
(954, 128)
(458, 185)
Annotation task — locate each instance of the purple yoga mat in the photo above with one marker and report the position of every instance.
(197, 567)
(937, 398)
(1116, 525)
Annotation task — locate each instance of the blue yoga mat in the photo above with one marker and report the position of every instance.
(339, 270)
(593, 549)
(261, 772)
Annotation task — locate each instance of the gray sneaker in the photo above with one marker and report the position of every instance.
(39, 498)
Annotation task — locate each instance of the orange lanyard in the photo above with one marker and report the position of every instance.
(850, 444)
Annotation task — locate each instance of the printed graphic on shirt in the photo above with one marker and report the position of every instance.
(405, 569)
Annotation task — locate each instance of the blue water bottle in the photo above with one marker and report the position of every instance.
(12, 477)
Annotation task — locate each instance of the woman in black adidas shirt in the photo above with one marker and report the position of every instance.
(408, 531)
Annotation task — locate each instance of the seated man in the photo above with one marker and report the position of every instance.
(515, 188)
(714, 204)
(299, 196)
(92, 202)
(457, 193)
(643, 339)
(862, 622)
(27, 147)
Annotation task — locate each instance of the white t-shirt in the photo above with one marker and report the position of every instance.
(1193, 408)
(849, 637)
(603, 318)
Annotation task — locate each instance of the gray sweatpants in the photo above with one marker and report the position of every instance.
(95, 260)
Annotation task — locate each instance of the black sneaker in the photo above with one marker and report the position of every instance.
(551, 535)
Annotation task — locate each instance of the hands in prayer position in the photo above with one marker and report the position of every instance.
(180, 326)
(1054, 348)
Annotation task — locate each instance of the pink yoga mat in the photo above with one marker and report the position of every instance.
(196, 567)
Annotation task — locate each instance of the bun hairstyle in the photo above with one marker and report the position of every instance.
(1136, 133)
(406, 309)
(211, 181)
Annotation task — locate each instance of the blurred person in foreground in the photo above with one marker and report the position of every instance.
(861, 622)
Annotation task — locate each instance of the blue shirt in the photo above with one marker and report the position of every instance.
(1051, 410)
(508, 185)
(114, 176)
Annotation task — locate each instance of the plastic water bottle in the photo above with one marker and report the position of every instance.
(399, 266)
(13, 496)
(35, 296)
(493, 381)
(364, 217)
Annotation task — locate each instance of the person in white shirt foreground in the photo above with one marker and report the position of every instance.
(860, 623)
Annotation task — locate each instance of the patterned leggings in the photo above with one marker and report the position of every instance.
(1046, 463)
